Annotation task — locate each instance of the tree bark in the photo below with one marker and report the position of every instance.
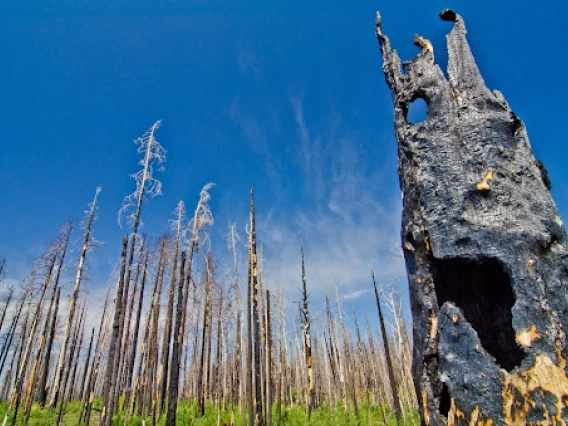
(392, 379)
(307, 339)
(256, 319)
(73, 301)
(484, 246)
(51, 335)
(110, 376)
(173, 386)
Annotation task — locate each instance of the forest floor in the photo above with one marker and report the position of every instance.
(369, 415)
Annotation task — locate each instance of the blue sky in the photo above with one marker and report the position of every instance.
(287, 97)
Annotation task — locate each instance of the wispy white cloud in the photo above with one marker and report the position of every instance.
(356, 294)
(347, 225)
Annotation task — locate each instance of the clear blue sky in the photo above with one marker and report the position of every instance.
(287, 97)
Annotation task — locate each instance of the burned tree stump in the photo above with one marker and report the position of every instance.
(484, 246)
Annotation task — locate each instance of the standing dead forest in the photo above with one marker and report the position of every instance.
(193, 324)
(182, 339)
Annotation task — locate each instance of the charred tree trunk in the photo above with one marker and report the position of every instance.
(269, 392)
(173, 386)
(73, 301)
(39, 351)
(111, 368)
(256, 319)
(390, 367)
(51, 335)
(249, 363)
(134, 349)
(484, 246)
(165, 364)
(310, 394)
(204, 354)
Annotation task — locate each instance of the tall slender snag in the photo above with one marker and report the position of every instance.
(110, 378)
(173, 386)
(73, 301)
(392, 380)
(256, 318)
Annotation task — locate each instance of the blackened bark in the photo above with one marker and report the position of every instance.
(204, 353)
(163, 385)
(51, 335)
(307, 338)
(390, 367)
(249, 363)
(110, 376)
(256, 318)
(269, 391)
(134, 349)
(173, 386)
(485, 248)
(83, 383)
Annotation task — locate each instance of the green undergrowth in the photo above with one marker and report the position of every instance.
(369, 415)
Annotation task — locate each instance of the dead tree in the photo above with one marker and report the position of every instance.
(173, 386)
(256, 317)
(164, 368)
(51, 335)
(112, 364)
(269, 390)
(485, 248)
(204, 354)
(305, 314)
(249, 362)
(392, 379)
(72, 303)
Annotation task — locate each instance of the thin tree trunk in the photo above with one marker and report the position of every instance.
(307, 339)
(163, 385)
(268, 362)
(73, 302)
(249, 364)
(203, 354)
(51, 335)
(31, 382)
(173, 386)
(108, 389)
(256, 319)
(128, 399)
(393, 384)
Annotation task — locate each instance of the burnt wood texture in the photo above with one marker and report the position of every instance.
(484, 246)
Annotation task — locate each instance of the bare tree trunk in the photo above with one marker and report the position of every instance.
(126, 367)
(12, 331)
(249, 364)
(393, 384)
(73, 355)
(128, 399)
(173, 386)
(307, 339)
(31, 382)
(110, 377)
(73, 301)
(256, 319)
(163, 385)
(51, 335)
(269, 392)
(82, 385)
(204, 354)
(99, 348)
(15, 398)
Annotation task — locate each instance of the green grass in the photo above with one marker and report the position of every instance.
(369, 415)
